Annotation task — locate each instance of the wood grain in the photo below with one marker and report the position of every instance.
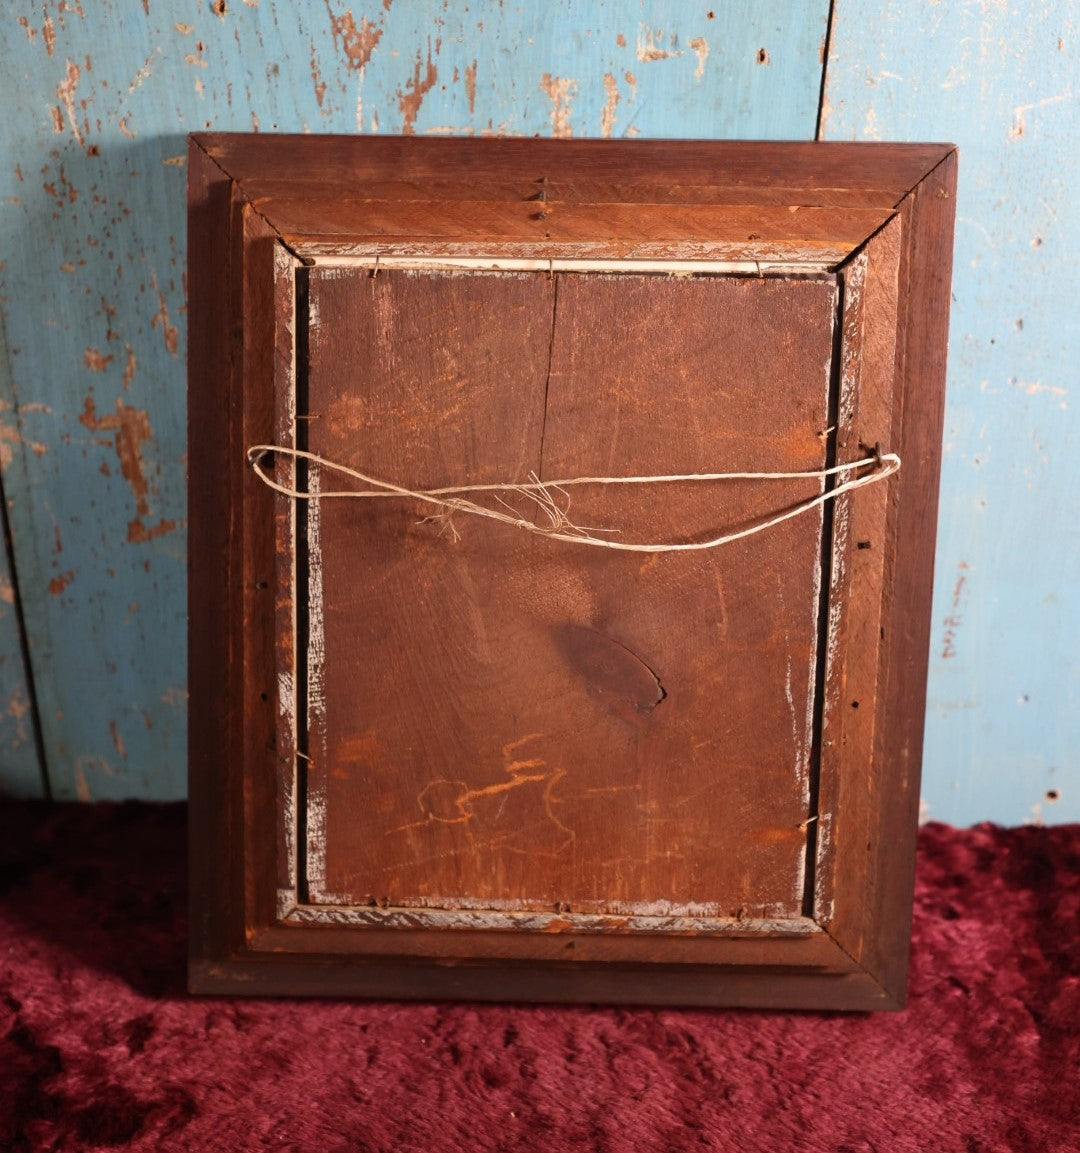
(755, 166)
(512, 723)
(859, 587)
(512, 751)
(214, 742)
(332, 975)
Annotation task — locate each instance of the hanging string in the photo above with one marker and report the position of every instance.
(542, 494)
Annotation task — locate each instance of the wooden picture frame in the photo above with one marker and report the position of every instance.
(629, 307)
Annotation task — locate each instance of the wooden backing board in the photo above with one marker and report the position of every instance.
(572, 773)
(513, 723)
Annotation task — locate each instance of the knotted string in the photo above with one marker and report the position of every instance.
(558, 526)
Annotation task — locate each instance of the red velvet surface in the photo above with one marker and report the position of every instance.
(100, 1047)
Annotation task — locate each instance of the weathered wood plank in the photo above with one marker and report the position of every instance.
(585, 166)
(1003, 718)
(97, 100)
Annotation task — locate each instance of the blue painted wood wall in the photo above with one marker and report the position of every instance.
(1001, 80)
(98, 97)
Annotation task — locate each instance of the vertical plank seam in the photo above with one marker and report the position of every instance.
(37, 736)
(826, 45)
(24, 650)
(547, 376)
(824, 599)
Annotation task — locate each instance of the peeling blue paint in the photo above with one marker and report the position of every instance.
(1003, 721)
(98, 99)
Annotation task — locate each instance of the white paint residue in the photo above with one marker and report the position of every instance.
(650, 45)
(287, 699)
(854, 284)
(777, 256)
(286, 902)
(287, 708)
(811, 677)
(286, 266)
(143, 73)
(800, 879)
(316, 630)
(316, 844)
(823, 910)
(316, 703)
(288, 816)
(790, 697)
(316, 851)
(338, 265)
(841, 525)
(776, 918)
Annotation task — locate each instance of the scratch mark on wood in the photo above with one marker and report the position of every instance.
(446, 801)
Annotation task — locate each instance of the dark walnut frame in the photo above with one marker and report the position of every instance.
(879, 218)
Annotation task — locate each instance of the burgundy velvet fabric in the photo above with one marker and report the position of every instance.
(100, 1047)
